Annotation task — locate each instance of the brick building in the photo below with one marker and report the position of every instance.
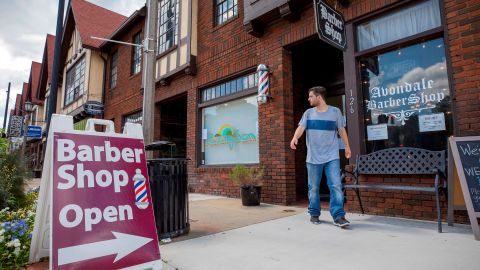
(404, 60)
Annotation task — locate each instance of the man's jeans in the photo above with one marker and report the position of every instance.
(334, 182)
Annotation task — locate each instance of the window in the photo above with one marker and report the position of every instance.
(167, 25)
(404, 23)
(135, 117)
(230, 129)
(136, 55)
(231, 87)
(225, 10)
(113, 69)
(228, 138)
(75, 82)
(407, 97)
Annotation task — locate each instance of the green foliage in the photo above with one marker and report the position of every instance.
(3, 144)
(245, 176)
(12, 180)
(15, 233)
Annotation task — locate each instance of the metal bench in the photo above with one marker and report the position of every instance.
(401, 161)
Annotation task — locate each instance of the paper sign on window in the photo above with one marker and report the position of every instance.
(431, 122)
(377, 132)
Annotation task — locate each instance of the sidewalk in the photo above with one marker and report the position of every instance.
(292, 242)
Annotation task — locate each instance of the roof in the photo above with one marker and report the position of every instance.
(92, 20)
(24, 96)
(135, 18)
(33, 82)
(18, 104)
(47, 67)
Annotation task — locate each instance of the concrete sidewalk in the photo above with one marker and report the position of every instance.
(292, 242)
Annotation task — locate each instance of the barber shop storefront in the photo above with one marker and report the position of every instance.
(401, 72)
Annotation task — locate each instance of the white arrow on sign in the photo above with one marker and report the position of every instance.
(123, 245)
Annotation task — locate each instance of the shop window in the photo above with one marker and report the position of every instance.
(230, 132)
(225, 10)
(230, 87)
(407, 97)
(136, 55)
(132, 118)
(113, 70)
(167, 25)
(404, 23)
(75, 82)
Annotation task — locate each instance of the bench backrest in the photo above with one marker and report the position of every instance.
(401, 160)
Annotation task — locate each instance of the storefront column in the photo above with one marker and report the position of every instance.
(354, 100)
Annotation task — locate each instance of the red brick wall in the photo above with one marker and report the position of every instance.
(125, 97)
(463, 23)
(227, 50)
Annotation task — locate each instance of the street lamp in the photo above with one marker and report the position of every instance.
(27, 109)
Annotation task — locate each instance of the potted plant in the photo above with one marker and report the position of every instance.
(249, 180)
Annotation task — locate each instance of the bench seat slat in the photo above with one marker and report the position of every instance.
(389, 187)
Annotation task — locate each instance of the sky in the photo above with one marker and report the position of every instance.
(24, 27)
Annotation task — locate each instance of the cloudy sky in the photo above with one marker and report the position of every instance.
(24, 26)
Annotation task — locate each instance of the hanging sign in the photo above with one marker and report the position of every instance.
(16, 124)
(466, 155)
(101, 211)
(330, 25)
(93, 107)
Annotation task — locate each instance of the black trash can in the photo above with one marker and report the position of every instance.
(168, 184)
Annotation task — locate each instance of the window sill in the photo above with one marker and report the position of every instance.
(217, 27)
(135, 75)
(174, 47)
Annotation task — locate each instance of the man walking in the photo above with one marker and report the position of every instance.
(322, 123)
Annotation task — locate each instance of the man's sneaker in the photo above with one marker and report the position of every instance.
(314, 220)
(341, 222)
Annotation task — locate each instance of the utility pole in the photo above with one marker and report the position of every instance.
(52, 104)
(149, 74)
(6, 110)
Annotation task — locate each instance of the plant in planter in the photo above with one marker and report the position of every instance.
(250, 181)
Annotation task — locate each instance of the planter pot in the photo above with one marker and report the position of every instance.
(251, 195)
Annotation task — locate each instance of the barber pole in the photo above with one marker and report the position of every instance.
(263, 84)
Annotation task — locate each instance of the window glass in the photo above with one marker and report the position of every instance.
(167, 24)
(75, 82)
(136, 55)
(225, 10)
(407, 97)
(113, 70)
(135, 117)
(404, 23)
(231, 87)
(229, 138)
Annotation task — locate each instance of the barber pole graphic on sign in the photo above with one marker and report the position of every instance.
(100, 217)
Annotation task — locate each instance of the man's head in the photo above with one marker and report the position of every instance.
(316, 95)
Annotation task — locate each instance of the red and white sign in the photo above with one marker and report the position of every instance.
(102, 215)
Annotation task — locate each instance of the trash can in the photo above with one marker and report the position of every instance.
(168, 184)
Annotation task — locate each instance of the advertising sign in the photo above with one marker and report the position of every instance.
(330, 25)
(34, 132)
(466, 157)
(101, 214)
(16, 124)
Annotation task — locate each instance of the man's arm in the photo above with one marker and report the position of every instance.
(298, 134)
(344, 136)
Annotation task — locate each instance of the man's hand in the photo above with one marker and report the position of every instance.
(293, 143)
(348, 153)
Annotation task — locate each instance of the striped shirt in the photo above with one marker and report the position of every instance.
(322, 134)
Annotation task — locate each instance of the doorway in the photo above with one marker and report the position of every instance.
(315, 63)
(173, 127)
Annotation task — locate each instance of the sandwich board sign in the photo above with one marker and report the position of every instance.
(94, 209)
(466, 155)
